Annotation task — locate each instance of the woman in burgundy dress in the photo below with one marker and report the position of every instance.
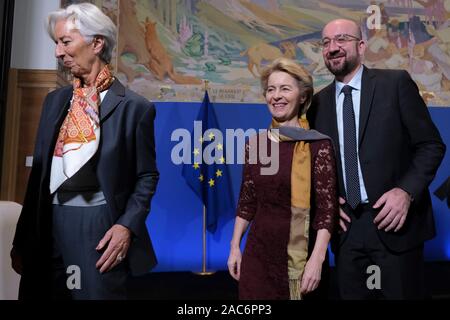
(284, 255)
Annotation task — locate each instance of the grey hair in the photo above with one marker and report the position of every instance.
(90, 21)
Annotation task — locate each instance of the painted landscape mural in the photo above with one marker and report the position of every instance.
(171, 50)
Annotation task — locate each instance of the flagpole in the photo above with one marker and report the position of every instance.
(204, 240)
(204, 272)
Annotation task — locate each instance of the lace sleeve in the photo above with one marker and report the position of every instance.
(325, 187)
(247, 199)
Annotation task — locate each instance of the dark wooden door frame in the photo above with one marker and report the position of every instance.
(6, 27)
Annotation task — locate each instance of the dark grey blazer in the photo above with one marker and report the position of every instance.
(399, 146)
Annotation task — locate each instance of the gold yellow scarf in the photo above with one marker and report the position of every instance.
(300, 207)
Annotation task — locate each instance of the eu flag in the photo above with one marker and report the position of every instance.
(207, 174)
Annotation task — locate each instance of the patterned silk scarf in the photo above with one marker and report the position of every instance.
(79, 135)
(300, 207)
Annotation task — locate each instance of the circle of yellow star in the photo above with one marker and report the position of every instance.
(219, 173)
(196, 166)
(211, 182)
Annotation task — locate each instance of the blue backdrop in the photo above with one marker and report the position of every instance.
(175, 220)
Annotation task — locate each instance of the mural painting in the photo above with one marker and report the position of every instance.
(170, 50)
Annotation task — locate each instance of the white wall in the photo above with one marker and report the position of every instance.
(32, 48)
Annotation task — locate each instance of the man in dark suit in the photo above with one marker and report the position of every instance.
(388, 151)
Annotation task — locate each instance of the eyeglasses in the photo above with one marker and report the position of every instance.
(339, 39)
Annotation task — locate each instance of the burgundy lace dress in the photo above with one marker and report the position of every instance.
(265, 200)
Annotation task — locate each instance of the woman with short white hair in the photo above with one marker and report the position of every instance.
(82, 228)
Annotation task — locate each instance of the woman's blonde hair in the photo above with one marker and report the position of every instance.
(303, 77)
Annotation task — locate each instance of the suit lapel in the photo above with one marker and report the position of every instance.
(332, 111)
(367, 91)
(62, 103)
(61, 106)
(333, 131)
(114, 96)
(331, 119)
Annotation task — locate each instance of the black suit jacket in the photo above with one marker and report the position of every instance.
(125, 167)
(399, 146)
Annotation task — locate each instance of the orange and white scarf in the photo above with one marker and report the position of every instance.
(79, 135)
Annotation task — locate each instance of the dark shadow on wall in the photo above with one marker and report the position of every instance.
(6, 27)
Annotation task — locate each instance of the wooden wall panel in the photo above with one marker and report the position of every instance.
(26, 93)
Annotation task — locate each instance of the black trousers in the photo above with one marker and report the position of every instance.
(362, 257)
(76, 233)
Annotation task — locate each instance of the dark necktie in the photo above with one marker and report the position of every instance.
(350, 154)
